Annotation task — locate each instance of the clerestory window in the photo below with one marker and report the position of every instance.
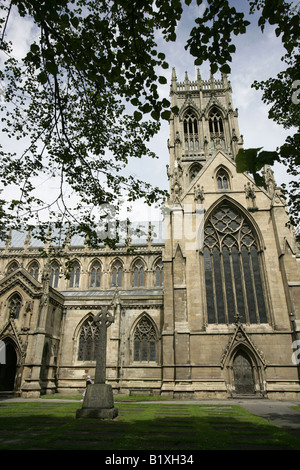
(95, 274)
(233, 269)
(75, 275)
(138, 274)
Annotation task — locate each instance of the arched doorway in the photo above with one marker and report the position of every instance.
(8, 370)
(243, 374)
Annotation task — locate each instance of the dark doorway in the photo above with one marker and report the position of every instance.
(243, 374)
(8, 370)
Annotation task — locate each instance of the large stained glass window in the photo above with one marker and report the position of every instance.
(232, 266)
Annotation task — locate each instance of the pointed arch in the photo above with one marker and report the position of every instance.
(216, 127)
(75, 274)
(14, 305)
(138, 273)
(34, 269)
(8, 370)
(54, 274)
(86, 336)
(12, 266)
(233, 268)
(95, 273)
(145, 339)
(243, 365)
(190, 120)
(194, 170)
(117, 272)
(223, 178)
(158, 268)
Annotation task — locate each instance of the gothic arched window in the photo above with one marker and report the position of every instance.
(194, 170)
(190, 128)
(216, 129)
(138, 274)
(95, 274)
(12, 267)
(54, 275)
(145, 341)
(14, 306)
(232, 266)
(75, 275)
(117, 273)
(222, 179)
(88, 341)
(159, 274)
(34, 270)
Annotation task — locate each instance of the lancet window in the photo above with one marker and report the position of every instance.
(190, 128)
(117, 274)
(14, 306)
(138, 274)
(233, 269)
(216, 129)
(75, 275)
(222, 179)
(34, 270)
(159, 274)
(54, 275)
(95, 274)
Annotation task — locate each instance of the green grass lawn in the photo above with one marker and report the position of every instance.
(147, 426)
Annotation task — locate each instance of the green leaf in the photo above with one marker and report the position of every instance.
(162, 80)
(166, 115)
(225, 68)
(137, 115)
(214, 68)
(42, 77)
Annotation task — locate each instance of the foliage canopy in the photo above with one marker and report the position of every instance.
(85, 99)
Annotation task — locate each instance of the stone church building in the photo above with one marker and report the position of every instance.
(206, 305)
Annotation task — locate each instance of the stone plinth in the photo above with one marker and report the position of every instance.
(98, 403)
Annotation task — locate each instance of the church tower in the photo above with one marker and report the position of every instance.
(227, 298)
(206, 122)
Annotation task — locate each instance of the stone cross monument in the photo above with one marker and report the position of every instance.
(98, 401)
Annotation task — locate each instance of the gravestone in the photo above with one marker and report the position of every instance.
(98, 400)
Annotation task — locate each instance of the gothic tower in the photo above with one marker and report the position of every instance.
(227, 301)
(206, 122)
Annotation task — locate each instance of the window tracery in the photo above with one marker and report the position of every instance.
(88, 341)
(117, 274)
(14, 306)
(12, 267)
(190, 129)
(54, 275)
(216, 129)
(145, 341)
(138, 274)
(159, 274)
(95, 274)
(232, 267)
(75, 275)
(34, 270)
(222, 179)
